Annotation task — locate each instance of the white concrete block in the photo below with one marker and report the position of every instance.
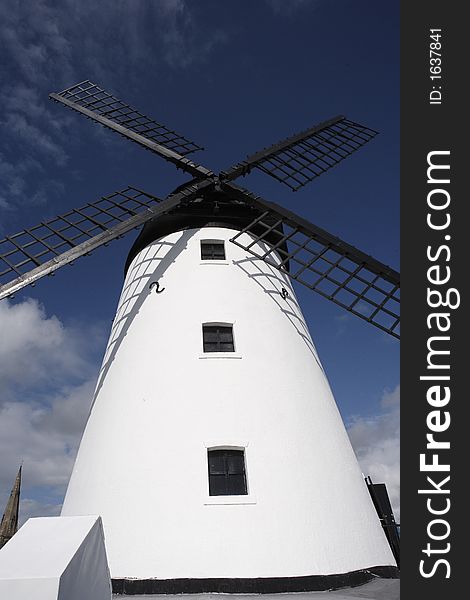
(56, 558)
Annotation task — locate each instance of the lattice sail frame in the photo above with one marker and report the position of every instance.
(44, 248)
(95, 103)
(305, 156)
(89, 95)
(322, 262)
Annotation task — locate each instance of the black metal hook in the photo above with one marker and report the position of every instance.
(284, 293)
(157, 287)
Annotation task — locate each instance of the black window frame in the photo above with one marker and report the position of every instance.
(209, 250)
(217, 337)
(227, 472)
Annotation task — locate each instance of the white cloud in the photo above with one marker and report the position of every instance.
(47, 378)
(33, 508)
(30, 134)
(47, 46)
(44, 437)
(48, 41)
(14, 180)
(183, 43)
(35, 348)
(376, 441)
(391, 399)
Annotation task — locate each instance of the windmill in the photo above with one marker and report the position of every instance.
(214, 451)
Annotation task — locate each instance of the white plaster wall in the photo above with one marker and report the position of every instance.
(160, 403)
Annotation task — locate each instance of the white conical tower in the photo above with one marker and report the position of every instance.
(163, 404)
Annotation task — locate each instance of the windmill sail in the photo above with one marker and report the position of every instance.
(322, 262)
(95, 103)
(44, 248)
(301, 158)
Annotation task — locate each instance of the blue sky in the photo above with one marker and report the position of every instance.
(233, 76)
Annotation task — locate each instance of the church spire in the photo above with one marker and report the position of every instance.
(9, 524)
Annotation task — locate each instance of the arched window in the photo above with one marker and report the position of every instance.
(227, 474)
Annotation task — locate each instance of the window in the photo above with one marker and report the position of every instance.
(214, 250)
(217, 338)
(227, 473)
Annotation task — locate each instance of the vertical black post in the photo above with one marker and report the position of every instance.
(380, 498)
